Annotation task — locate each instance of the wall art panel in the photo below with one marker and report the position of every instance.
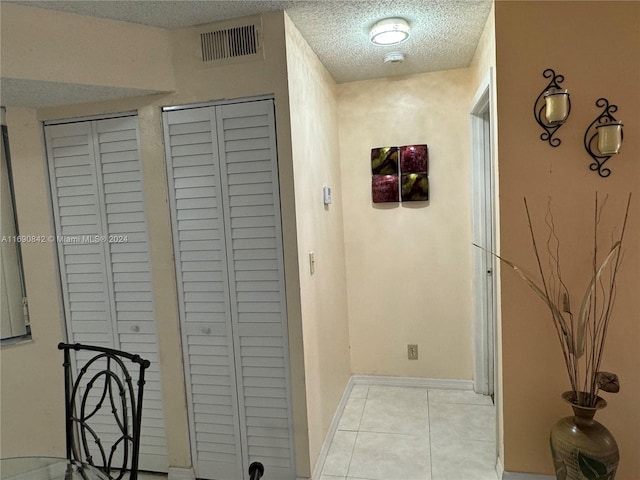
(400, 174)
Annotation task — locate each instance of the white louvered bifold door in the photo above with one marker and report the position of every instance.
(204, 293)
(227, 234)
(246, 134)
(103, 253)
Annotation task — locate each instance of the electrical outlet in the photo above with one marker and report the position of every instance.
(412, 352)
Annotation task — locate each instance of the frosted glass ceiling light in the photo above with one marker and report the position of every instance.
(389, 31)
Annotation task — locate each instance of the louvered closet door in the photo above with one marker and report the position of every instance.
(227, 235)
(199, 243)
(103, 253)
(246, 134)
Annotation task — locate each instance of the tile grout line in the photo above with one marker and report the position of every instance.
(357, 433)
(333, 430)
(353, 449)
(358, 429)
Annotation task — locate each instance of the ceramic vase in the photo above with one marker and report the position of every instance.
(582, 448)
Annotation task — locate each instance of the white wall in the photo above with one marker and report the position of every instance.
(12, 318)
(323, 294)
(409, 265)
(483, 67)
(51, 46)
(32, 386)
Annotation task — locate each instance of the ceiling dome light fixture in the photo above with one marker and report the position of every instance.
(389, 31)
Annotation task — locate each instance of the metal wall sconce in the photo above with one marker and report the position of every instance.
(552, 107)
(608, 132)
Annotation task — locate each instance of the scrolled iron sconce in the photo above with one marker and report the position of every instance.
(608, 131)
(552, 107)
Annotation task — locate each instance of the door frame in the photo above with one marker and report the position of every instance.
(483, 179)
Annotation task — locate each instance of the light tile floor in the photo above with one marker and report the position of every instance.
(405, 433)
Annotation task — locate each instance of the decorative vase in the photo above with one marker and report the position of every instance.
(582, 448)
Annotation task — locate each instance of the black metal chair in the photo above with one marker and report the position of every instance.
(101, 403)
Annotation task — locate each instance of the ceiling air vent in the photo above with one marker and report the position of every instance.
(229, 43)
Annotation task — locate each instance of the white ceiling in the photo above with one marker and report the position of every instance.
(444, 33)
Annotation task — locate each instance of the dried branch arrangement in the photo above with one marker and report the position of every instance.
(582, 336)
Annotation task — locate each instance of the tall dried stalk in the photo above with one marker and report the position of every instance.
(581, 337)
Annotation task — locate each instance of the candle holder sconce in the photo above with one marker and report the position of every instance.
(552, 107)
(608, 132)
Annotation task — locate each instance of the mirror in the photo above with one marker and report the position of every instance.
(14, 316)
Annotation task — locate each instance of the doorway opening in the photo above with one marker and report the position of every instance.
(483, 212)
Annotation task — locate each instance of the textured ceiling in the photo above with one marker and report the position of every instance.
(35, 93)
(444, 33)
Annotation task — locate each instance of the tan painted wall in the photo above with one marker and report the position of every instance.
(316, 162)
(32, 387)
(30, 369)
(531, 37)
(409, 264)
(137, 56)
(483, 66)
(485, 55)
(12, 318)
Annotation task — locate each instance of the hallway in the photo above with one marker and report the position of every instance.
(404, 433)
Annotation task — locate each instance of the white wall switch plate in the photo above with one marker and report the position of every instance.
(312, 263)
(326, 195)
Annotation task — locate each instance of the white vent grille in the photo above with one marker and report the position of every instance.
(229, 43)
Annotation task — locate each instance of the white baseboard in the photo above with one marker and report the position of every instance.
(143, 475)
(526, 476)
(333, 427)
(189, 474)
(176, 473)
(499, 467)
(412, 382)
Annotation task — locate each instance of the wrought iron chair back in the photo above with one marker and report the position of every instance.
(256, 471)
(102, 401)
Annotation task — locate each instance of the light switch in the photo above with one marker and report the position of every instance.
(312, 263)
